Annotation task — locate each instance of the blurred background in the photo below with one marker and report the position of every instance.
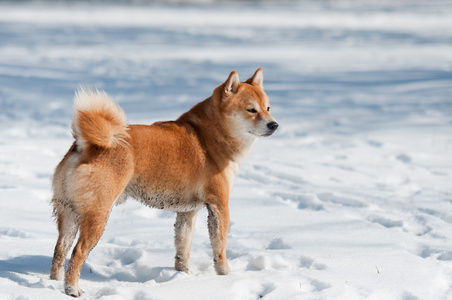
(359, 55)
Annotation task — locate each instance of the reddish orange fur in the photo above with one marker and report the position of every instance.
(101, 128)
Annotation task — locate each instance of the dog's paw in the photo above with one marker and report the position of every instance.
(73, 291)
(57, 275)
(222, 269)
(181, 267)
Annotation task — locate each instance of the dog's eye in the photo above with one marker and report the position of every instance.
(268, 108)
(252, 110)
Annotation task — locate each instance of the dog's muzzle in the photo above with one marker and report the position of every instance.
(272, 126)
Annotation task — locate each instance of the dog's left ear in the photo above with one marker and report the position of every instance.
(257, 78)
(231, 85)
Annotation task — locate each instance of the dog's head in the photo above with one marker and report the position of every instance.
(246, 106)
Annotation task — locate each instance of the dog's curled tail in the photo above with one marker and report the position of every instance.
(98, 120)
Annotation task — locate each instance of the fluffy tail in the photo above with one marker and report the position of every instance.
(98, 120)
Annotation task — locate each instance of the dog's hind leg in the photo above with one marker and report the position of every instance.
(184, 227)
(67, 229)
(91, 228)
(95, 195)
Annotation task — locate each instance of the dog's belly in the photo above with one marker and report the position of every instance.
(177, 200)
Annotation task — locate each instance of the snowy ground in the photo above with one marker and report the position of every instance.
(351, 199)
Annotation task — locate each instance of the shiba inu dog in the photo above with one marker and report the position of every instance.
(181, 166)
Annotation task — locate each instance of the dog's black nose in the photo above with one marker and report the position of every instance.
(272, 125)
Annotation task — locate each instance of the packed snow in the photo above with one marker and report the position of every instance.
(350, 199)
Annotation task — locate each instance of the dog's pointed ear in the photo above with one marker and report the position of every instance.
(257, 78)
(231, 85)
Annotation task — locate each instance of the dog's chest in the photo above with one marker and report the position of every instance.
(178, 200)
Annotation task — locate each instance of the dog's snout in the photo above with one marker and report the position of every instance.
(272, 125)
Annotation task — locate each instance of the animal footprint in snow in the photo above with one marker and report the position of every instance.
(263, 262)
(388, 223)
(301, 201)
(309, 263)
(278, 244)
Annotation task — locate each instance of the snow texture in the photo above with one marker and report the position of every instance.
(350, 199)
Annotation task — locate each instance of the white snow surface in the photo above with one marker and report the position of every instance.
(350, 199)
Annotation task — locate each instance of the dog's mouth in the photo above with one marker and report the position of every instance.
(262, 135)
(268, 134)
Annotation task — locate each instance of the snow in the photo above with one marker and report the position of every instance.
(350, 199)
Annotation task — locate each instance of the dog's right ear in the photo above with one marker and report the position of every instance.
(231, 85)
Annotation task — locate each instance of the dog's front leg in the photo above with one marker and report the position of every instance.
(184, 227)
(218, 223)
